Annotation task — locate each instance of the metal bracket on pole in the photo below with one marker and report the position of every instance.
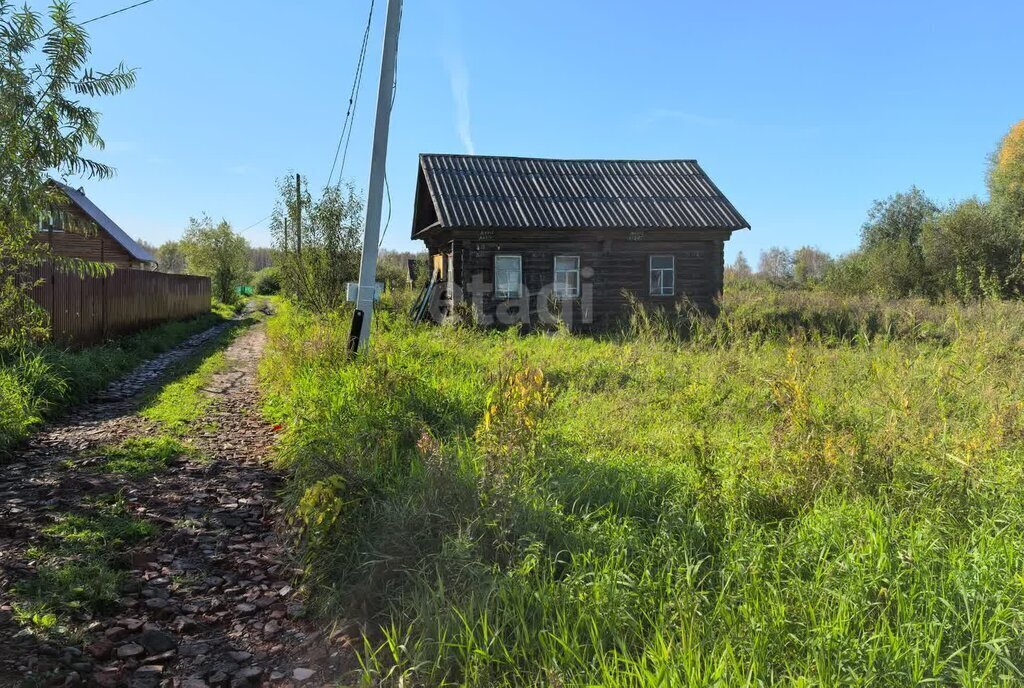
(378, 168)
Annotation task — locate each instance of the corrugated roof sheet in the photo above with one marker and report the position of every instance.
(531, 193)
(99, 217)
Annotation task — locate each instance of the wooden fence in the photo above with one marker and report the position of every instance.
(88, 310)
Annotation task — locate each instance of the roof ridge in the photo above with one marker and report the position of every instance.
(527, 157)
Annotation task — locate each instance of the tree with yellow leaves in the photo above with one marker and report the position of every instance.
(1006, 175)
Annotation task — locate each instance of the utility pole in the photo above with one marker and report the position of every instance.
(363, 315)
(298, 216)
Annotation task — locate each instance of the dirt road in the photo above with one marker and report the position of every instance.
(204, 588)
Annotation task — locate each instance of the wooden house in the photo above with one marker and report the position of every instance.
(527, 240)
(79, 229)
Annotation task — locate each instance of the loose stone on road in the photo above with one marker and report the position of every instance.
(208, 596)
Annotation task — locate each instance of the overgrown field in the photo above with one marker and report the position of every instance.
(40, 381)
(788, 496)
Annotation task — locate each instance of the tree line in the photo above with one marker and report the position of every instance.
(912, 246)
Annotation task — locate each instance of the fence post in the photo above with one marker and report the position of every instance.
(103, 292)
(53, 289)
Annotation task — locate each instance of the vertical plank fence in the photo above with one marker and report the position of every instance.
(88, 310)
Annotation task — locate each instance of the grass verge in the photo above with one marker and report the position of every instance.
(652, 509)
(39, 383)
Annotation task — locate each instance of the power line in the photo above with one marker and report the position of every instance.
(394, 92)
(387, 189)
(110, 14)
(254, 224)
(353, 101)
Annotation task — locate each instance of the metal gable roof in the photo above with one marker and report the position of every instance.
(109, 226)
(495, 192)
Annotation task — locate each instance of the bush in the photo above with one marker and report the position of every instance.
(393, 274)
(268, 281)
(330, 248)
(971, 251)
(911, 247)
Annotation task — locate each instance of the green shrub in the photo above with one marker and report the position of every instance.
(268, 281)
(393, 273)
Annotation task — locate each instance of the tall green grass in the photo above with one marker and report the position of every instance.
(818, 505)
(39, 382)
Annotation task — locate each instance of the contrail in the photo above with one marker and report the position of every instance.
(458, 77)
(460, 94)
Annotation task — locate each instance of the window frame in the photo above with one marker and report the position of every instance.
(650, 275)
(506, 295)
(555, 284)
(46, 221)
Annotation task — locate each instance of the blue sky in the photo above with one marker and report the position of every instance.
(802, 112)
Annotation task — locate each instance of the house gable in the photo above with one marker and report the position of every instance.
(86, 240)
(83, 207)
(425, 217)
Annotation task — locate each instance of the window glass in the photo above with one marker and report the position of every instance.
(567, 277)
(663, 275)
(53, 221)
(508, 277)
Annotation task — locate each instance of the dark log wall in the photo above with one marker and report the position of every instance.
(611, 263)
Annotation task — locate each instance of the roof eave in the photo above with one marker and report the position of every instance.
(743, 220)
(539, 228)
(429, 229)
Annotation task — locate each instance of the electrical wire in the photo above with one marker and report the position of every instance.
(254, 224)
(110, 14)
(353, 102)
(394, 91)
(387, 223)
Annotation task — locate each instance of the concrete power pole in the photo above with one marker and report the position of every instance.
(375, 192)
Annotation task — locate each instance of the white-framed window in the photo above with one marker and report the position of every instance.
(663, 275)
(508, 277)
(567, 277)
